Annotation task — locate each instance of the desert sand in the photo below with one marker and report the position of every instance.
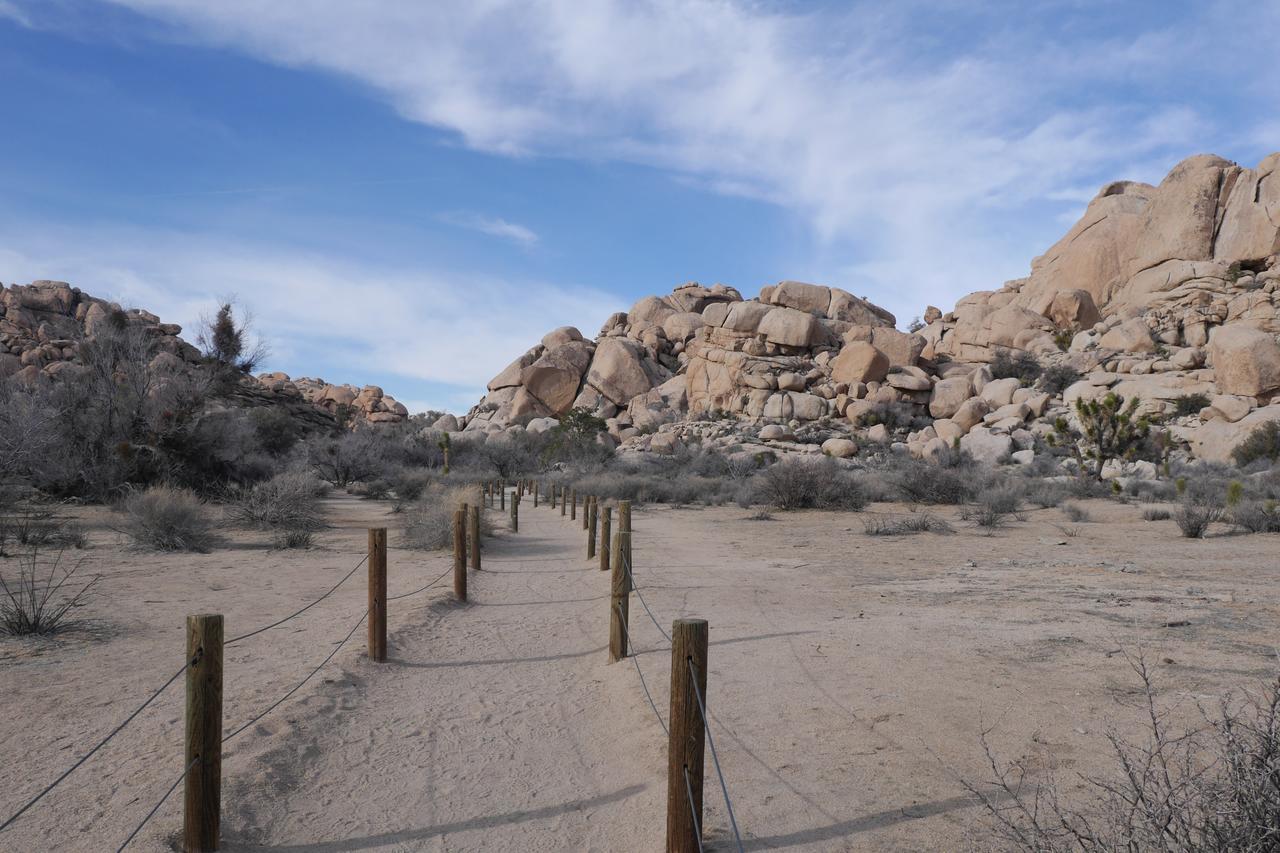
(849, 679)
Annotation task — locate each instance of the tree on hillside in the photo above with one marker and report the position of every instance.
(225, 342)
(1109, 429)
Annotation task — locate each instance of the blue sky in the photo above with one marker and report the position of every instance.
(410, 194)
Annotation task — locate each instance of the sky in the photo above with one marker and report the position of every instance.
(411, 194)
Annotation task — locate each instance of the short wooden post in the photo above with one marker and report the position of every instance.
(685, 746)
(473, 546)
(502, 495)
(624, 515)
(606, 522)
(553, 495)
(459, 555)
(619, 599)
(202, 794)
(591, 528)
(534, 489)
(564, 501)
(515, 513)
(586, 510)
(377, 594)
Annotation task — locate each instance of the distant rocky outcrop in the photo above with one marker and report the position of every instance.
(1160, 293)
(44, 324)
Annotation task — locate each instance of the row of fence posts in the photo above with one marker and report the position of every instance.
(686, 740)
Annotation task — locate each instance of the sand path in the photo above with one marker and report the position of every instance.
(490, 727)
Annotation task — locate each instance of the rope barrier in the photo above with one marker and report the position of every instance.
(421, 589)
(693, 810)
(626, 566)
(296, 613)
(156, 807)
(715, 759)
(635, 660)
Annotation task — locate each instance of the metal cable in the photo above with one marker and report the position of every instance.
(715, 759)
(626, 566)
(298, 686)
(693, 810)
(127, 720)
(331, 591)
(635, 660)
(421, 589)
(156, 807)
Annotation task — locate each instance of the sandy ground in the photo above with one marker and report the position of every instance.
(849, 678)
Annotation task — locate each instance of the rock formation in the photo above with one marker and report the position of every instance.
(1158, 293)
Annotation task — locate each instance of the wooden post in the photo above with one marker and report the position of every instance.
(685, 746)
(564, 501)
(515, 513)
(202, 795)
(573, 504)
(606, 522)
(534, 488)
(624, 515)
(586, 511)
(474, 545)
(591, 528)
(377, 594)
(553, 495)
(502, 495)
(619, 599)
(459, 555)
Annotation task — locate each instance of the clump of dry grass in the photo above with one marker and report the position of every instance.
(428, 522)
(164, 518)
(40, 599)
(919, 522)
(287, 502)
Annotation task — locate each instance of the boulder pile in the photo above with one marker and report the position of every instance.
(1169, 294)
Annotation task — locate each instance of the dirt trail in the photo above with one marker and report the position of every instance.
(490, 727)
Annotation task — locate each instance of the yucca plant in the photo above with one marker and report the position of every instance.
(1109, 429)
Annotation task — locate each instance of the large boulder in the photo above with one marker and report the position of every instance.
(949, 395)
(792, 328)
(1246, 360)
(986, 445)
(1130, 336)
(561, 336)
(859, 362)
(554, 378)
(620, 370)
(1183, 215)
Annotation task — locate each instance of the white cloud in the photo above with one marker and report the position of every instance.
(494, 226)
(11, 12)
(321, 315)
(873, 127)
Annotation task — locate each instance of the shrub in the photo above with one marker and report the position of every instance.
(1262, 443)
(920, 482)
(32, 528)
(920, 522)
(164, 518)
(1058, 378)
(276, 431)
(1194, 519)
(288, 501)
(287, 539)
(1214, 786)
(810, 484)
(1189, 404)
(1257, 517)
(42, 596)
(1075, 512)
(1155, 514)
(428, 523)
(1022, 366)
(1109, 429)
(1046, 494)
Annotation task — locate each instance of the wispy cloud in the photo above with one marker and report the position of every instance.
(9, 11)
(494, 226)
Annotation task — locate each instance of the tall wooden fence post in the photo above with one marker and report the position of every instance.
(202, 795)
(573, 504)
(515, 513)
(474, 545)
(459, 555)
(564, 501)
(624, 516)
(502, 495)
(377, 594)
(619, 599)
(534, 487)
(591, 528)
(606, 521)
(684, 749)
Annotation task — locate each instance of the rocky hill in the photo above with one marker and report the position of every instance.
(43, 324)
(1170, 294)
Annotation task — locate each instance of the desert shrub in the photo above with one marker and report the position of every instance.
(164, 518)
(428, 523)
(1210, 786)
(994, 507)
(1257, 517)
(1261, 444)
(1046, 494)
(921, 482)
(1156, 514)
(39, 528)
(1058, 378)
(1075, 512)
(650, 486)
(1189, 404)
(1109, 429)
(275, 430)
(810, 484)
(916, 522)
(1153, 490)
(288, 501)
(40, 599)
(286, 538)
(1021, 365)
(1193, 519)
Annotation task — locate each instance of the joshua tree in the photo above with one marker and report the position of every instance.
(1108, 430)
(444, 444)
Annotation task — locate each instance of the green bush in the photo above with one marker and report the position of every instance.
(1262, 443)
(1021, 365)
(1058, 378)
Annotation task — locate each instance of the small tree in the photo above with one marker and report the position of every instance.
(1109, 429)
(444, 444)
(224, 341)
